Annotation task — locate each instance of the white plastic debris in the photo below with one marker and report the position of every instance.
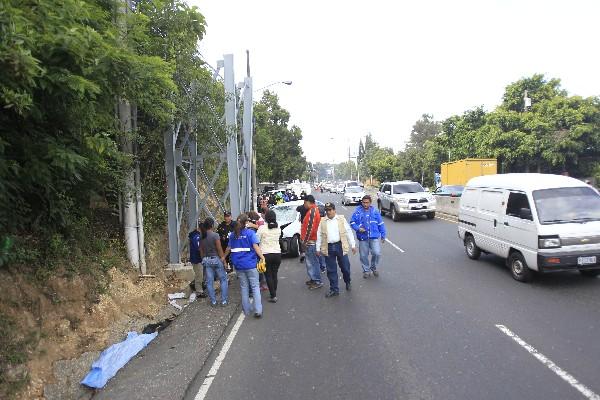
(175, 296)
(192, 298)
(174, 304)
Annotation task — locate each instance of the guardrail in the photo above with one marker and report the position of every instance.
(448, 205)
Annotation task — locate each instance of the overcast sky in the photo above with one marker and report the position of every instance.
(377, 66)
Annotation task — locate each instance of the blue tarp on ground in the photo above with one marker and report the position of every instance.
(115, 357)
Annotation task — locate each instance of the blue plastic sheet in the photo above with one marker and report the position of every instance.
(115, 357)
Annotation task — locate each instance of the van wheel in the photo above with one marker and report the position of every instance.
(473, 252)
(395, 215)
(431, 215)
(590, 274)
(518, 267)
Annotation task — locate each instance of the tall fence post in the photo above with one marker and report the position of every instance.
(233, 167)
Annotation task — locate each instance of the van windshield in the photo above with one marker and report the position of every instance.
(563, 205)
(408, 188)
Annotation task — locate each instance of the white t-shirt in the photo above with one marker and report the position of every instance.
(269, 239)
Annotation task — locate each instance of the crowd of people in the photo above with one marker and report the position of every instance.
(274, 197)
(253, 239)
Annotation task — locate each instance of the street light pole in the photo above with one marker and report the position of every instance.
(288, 83)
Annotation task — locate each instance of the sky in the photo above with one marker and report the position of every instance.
(377, 66)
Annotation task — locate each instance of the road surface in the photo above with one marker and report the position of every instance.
(434, 325)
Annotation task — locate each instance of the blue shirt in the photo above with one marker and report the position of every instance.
(371, 221)
(195, 247)
(243, 255)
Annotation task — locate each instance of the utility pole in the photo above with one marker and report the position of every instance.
(132, 202)
(247, 186)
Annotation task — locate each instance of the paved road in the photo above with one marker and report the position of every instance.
(425, 329)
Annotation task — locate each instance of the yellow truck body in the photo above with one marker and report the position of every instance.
(459, 172)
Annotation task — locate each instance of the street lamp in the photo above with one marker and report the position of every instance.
(288, 83)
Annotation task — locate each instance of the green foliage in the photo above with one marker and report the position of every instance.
(560, 133)
(279, 156)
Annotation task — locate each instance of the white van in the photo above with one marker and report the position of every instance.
(538, 222)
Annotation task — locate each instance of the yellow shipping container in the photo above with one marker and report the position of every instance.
(459, 172)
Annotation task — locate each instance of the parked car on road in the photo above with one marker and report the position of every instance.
(405, 198)
(352, 195)
(288, 219)
(339, 189)
(537, 222)
(449, 190)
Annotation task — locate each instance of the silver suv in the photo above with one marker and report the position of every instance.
(405, 198)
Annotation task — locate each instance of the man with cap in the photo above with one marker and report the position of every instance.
(370, 232)
(335, 238)
(224, 229)
(308, 236)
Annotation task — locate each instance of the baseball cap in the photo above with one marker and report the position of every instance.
(227, 214)
(329, 205)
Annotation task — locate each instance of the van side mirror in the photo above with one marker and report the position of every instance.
(525, 213)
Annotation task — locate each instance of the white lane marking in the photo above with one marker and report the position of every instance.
(219, 360)
(446, 219)
(344, 207)
(394, 246)
(550, 364)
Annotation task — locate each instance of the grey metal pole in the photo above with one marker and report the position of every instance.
(247, 131)
(192, 196)
(231, 126)
(170, 137)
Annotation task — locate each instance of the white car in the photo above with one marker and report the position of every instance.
(339, 189)
(288, 219)
(405, 198)
(352, 195)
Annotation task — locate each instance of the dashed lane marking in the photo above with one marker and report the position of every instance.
(394, 246)
(219, 360)
(564, 375)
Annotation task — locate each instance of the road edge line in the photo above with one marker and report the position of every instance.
(564, 375)
(394, 245)
(212, 373)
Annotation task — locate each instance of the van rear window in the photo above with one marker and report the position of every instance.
(564, 205)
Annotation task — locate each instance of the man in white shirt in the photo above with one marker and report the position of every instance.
(334, 240)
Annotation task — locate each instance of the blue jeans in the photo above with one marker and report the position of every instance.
(322, 262)
(313, 266)
(249, 281)
(214, 266)
(374, 247)
(334, 258)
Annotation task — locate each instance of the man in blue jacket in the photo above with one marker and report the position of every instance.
(370, 232)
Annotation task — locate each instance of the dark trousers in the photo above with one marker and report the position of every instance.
(273, 262)
(337, 257)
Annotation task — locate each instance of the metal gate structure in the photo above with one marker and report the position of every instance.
(191, 190)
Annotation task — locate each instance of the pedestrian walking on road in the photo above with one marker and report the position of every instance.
(212, 256)
(269, 235)
(196, 260)
(370, 232)
(224, 229)
(308, 233)
(335, 238)
(245, 252)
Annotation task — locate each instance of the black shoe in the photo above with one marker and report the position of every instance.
(316, 285)
(302, 258)
(332, 294)
(202, 295)
(375, 273)
(348, 286)
(309, 282)
(257, 315)
(272, 300)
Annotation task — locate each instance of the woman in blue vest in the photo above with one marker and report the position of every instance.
(245, 252)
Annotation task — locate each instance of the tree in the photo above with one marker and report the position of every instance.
(424, 129)
(279, 156)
